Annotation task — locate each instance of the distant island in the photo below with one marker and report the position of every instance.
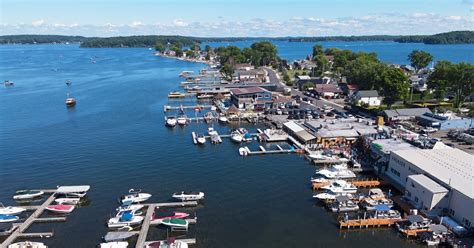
(455, 37)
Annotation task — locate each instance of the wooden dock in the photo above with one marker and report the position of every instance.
(182, 108)
(264, 151)
(149, 213)
(369, 183)
(188, 241)
(366, 223)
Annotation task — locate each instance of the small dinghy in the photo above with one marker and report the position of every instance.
(60, 208)
(177, 223)
(169, 243)
(171, 121)
(188, 196)
(125, 219)
(243, 151)
(8, 218)
(68, 201)
(11, 210)
(27, 244)
(27, 194)
(176, 215)
(201, 139)
(236, 136)
(134, 197)
(70, 101)
(114, 245)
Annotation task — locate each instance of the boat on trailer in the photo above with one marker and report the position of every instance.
(134, 197)
(27, 194)
(188, 196)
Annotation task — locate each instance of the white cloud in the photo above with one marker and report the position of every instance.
(37, 23)
(419, 23)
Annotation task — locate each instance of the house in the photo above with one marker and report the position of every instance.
(369, 97)
(251, 98)
(312, 80)
(246, 75)
(327, 90)
(243, 67)
(448, 168)
(394, 115)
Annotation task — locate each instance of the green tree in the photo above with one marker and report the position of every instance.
(159, 47)
(287, 79)
(394, 85)
(227, 70)
(420, 59)
(363, 71)
(208, 48)
(264, 54)
(322, 65)
(439, 80)
(308, 85)
(189, 54)
(455, 78)
(317, 50)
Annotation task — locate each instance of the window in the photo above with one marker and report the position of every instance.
(451, 212)
(395, 172)
(416, 199)
(408, 193)
(412, 185)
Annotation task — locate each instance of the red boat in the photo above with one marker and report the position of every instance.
(177, 215)
(61, 208)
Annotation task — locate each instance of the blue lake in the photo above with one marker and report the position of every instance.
(114, 139)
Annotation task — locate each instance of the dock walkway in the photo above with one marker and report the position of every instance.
(368, 183)
(366, 223)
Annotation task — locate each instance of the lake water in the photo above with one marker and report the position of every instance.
(114, 139)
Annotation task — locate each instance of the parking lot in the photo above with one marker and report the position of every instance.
(443, 135)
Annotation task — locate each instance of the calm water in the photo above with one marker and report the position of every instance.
(390, 52)
(114, 139)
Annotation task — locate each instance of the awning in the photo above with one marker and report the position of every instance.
(73, 189)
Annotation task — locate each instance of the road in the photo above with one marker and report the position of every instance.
(274, 79)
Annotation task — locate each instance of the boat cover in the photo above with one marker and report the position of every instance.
(438, 229)
(382, 208)
(127, 216)
(73, 189)
(342, 198)
(118, 236)
(415, 218)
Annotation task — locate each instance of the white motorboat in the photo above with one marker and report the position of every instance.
(343, 204)
(223, 119)
(11, 210)
(73, 191)
(211, 131)
(328, 195)
(28, 244)
(236, 136)
(171, 121)
(341, 186)
(170, 243)
(5, 218)
(188, 196)
(134, 197)
(27, 194)
(125, 219)
(122, 244)
(68, 201)
(182, 120)
(201, 139)
(337, 171)
(243, 151)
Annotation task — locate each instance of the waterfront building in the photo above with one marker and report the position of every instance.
(393, 115)
(327, 90)
(299, 133)
(251, 98)
(444, 122)
(249, 75)
(448, 168)
(243, 67)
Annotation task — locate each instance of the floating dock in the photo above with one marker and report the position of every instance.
(369, 183)
(182, 108)
(366, 223)
(141, 242)
(264, 151)
(188, 241)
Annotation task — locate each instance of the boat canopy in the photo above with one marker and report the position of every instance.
(127, 216)
(438, 229)
(415, 218)
(342, 198)
(73, 189)
(382, 208)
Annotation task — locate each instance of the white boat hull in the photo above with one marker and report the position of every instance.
(188, 197)
(11, 210)
(114, 245)
(27, 244)
(141, 197)
(27, 196)
(115, 222)
(68, 201)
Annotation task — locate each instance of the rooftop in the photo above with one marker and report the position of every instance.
(367, 93)
(428, 183)
(248, 90)
(453, 167)
(388, 145)
(406, 112)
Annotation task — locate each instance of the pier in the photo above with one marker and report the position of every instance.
(264, 151)
(182, 108)
(369, 183)
(187, 241)
(141, 242)
(366, 223)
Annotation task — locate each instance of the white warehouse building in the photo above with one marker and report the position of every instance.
(436, 181)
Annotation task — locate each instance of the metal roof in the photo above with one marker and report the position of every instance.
(381, 208)
(427, 183)
(453, 167)
(73, 189)
(438, 229)
(367, 93)
(415, 218)
(248, 90)
(293, 126)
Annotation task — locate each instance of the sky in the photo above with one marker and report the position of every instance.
(235, 18)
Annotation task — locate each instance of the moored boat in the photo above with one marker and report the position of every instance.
(341, 186)
(336, 171)
(223, 119)
(60, 208)
(236, 136)
(134, 197)
(171, 121)
(176, 94)
(8, 218)
(125, 219)
(27, 194)
(122, 244)
(201, 139)
(68, 201)
(174, 222)
(27, 244)
(8, 83)
(182, 119)
(169, 243)
(211, 131)
(188, 196)
(176, 215)
(243, 151)
(11, 210)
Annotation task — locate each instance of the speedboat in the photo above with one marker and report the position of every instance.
(134, 197)
(188, 196)
(182, 120)
(170, 243)
(243, 151)
(176, 215)
(68, 201)
(125, 219)
(27, 194)
(70, 101)
(329, 195)
(27, 244)
(223, 119)
(8, 218)
(211, 131)
(236, 136)
(130, 207)
(122, 244)
(174, 222)
(337, 171)
(201, 139)
(8, 83)
(171, 121)
(11, 210)
(60, 208)
(341, 186)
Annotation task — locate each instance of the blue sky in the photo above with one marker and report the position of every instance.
(235, 17)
